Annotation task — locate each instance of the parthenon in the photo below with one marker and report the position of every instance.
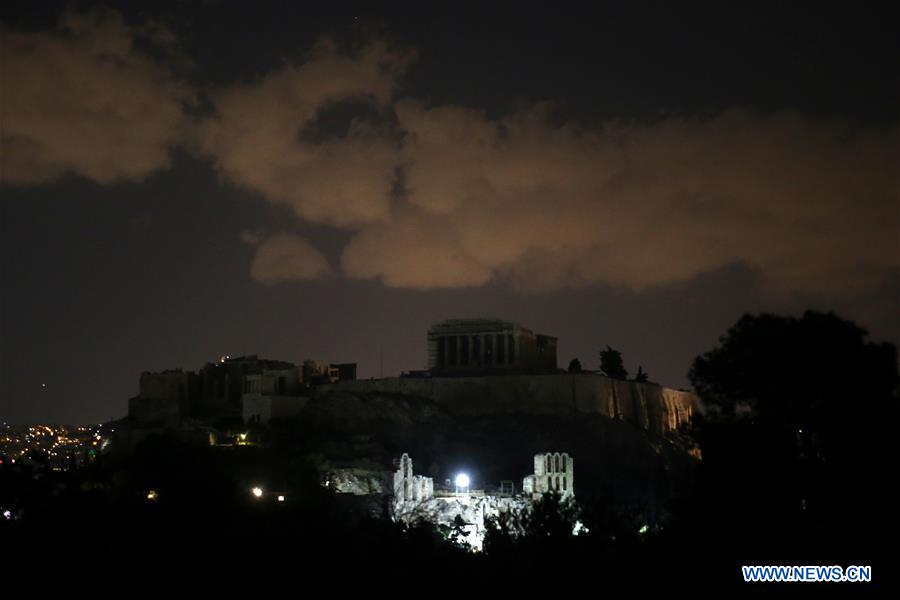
(481, 346)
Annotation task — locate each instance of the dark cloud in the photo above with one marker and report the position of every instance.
(87, 100)
(810, 204)
(255, 137)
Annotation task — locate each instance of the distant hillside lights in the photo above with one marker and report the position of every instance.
(56, 447)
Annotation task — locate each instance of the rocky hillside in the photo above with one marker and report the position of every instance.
(613, 458)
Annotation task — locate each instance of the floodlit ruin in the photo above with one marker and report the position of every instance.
(415, 498)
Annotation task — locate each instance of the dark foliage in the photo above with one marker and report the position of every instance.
(611, 364)
(641, 376)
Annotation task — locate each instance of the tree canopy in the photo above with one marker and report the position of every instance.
(641, 376)
(800, 411)
(611, 364)
(811, 371)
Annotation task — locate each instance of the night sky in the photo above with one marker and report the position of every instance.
(183, 180)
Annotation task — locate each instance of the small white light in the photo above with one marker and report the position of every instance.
(462, 480)
(281, 498)
(257, 492)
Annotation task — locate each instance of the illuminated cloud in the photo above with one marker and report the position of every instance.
(86, 100)
(414, 251)
(447, 197)
(812, 206)
(285, 257)
(256, 143)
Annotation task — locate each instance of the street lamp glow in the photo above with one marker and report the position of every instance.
(462, 480)
(257, 492)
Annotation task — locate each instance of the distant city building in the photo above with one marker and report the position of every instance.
(274, 382)
(553, 472)
(273, 394)
(52, 447)
(165, 398)
(317, 372)
(261, 409)
(488, 346)
(222, 389)
(246, 386)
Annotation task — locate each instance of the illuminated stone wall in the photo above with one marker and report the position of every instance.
(258, 408)
(647, 406)
(477, 346)
(553, 472)
(409, 487)
(414, 501)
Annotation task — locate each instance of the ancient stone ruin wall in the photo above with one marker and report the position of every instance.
(409, 487)
(553, 472)
(414, 501)
(648, 406)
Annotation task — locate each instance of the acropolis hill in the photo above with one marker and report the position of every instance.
(650, 407)
(467, 356)
(492, 391)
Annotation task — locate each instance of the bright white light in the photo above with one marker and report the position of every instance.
(257, 492)
(462, 480)
(281, 498)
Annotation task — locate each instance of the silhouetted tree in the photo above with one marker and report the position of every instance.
(817, 374)
(641, 375)
(575, 366)
(552, 516)
(799, 414)
(611, 364)
(458, 535)
(501, 533)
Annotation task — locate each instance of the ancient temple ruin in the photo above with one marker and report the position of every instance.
(488, 346)
(553, 472)
(409, 487)
(415, 498)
